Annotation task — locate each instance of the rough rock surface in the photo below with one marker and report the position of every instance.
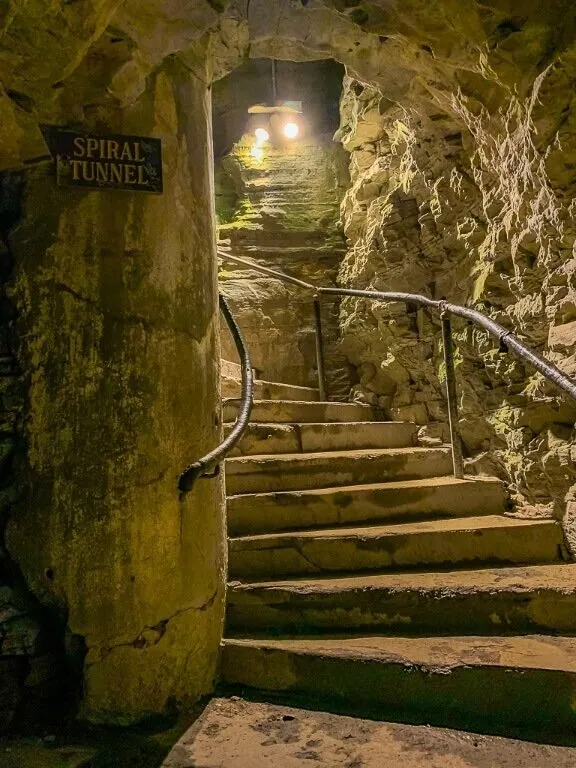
(475, 209)
(29, 667)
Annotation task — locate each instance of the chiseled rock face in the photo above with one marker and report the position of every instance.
(286, 220)
(41, 45)
(475, 206)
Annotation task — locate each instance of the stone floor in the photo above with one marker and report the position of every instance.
(233, 733)
(74, 746)
(34, 754)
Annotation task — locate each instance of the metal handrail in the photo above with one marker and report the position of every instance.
(209, 465)
(266, 270)
(507, 340)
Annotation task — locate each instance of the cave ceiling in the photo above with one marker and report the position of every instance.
(59, 58)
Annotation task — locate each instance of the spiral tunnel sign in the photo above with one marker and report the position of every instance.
(115, 161)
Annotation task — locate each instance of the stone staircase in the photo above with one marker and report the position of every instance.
(365, 578)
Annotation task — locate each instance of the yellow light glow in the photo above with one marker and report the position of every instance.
(291, 130)
(262, 135)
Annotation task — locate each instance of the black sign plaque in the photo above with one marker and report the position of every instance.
(113, 161)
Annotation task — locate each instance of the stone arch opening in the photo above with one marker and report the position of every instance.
(277, 202)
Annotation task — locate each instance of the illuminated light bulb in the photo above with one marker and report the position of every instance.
(262, 135)
(291, 130)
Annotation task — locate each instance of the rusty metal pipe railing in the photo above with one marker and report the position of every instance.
(452, 395)
(266, 270)
(507, 340)
(209, 465)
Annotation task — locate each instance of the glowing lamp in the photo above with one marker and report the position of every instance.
(291, 130)
(262, 135)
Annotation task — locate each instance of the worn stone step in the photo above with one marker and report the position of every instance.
(357, 504)
(269, 390)
(230, 369)
(276, 734)
(231, 383)
(482, 683)
(446, 543)
(301, 471)
(294, 412)
(299, 438)
(526, 599)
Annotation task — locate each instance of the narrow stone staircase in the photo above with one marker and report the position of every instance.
(365, 578)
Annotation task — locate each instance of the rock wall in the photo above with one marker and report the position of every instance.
(29, 663)
(285, 219)
(473, 206)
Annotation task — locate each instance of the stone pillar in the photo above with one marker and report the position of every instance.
(117, 321)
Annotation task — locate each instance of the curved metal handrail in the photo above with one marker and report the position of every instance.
(209, 465)
(504, 336)
(266, 270)
(506, 339)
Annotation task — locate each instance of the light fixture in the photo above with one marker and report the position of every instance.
(262, 135)
(280, 118)
(291, 130)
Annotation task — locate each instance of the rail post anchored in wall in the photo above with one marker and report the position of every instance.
(319, 349)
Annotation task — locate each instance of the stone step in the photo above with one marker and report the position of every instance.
(301, 471)
(481, 683)
(298, 438)
(231, 382)
(231, 370)
(357, 504)
(294, 412)
(269, 390)
(277, 734)
(443, 543)
(522, 600)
